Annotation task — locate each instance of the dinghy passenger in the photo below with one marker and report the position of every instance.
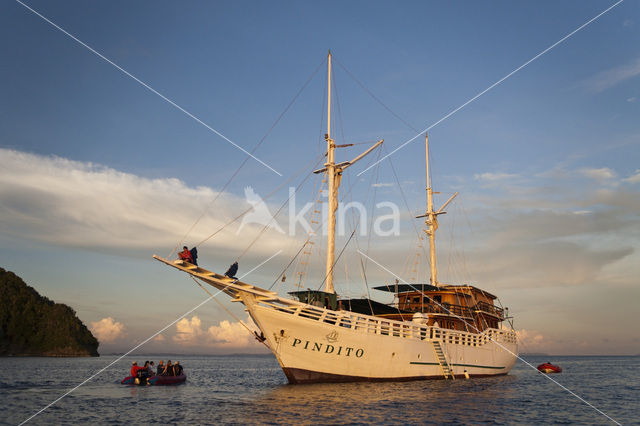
(185, 255)
(152, 368)
(168, 369)
(232, 271)
(134, 368)
(177, 369)
(160, 369)
(144, 371)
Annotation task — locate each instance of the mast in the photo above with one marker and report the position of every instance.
(333, 172)
(431, 220)
(333, 193)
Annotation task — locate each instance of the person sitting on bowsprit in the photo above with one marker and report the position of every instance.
(185, 255)
(232, 271)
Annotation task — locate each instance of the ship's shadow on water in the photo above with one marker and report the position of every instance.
(436, 401)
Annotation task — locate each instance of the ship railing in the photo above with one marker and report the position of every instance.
(388, 327)
(442, 309)
(490, 309)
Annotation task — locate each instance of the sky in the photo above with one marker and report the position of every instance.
(98, 172)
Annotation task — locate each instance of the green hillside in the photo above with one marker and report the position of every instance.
(32, 325)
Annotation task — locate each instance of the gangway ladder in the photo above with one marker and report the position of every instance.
(442, 360)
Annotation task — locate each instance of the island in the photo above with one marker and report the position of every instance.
(33, 325)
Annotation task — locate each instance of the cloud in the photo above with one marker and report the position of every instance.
(492, 177)
(551, 229)
(531, 341)
(612, 77)
(232, 334)
(631, 99)
(634, 178)
(188, 331)
(159, 338)
(83, 205)
(107, 330)
(601, 174)
(543, 264)
(226, 334)
(383, 185)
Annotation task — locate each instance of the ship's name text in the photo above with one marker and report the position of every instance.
(327, 348)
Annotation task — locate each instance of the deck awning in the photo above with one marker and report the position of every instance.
(405, 288)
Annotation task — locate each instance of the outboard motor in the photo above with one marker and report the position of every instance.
(142, 377)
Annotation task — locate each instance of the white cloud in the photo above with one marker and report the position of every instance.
(107, 330)
(159, 338)
(232, 334)
(226, 334)
(531, 339)
(612, 77)
(631, 99)
(634, 178)
(74, 204)
(382, 185)
(601, 174)
(188, 331)
(492, 177)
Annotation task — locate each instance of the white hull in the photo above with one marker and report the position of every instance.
(318, 345)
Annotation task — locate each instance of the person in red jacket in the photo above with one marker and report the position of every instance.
(185, 255)
(134, 369)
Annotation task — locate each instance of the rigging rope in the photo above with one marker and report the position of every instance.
(374, 96)
(406, 203)
(253, 333)
(313, 233)
(306, 167)
(336, 261)
(247, 157)
(277, 213)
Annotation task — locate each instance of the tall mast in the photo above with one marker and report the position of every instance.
(431, 220)
(333, 193)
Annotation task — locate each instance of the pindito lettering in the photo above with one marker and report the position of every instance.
(327, 348)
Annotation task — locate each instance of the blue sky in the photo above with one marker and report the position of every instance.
(99, 173)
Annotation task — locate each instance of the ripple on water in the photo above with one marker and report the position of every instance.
(252, 390)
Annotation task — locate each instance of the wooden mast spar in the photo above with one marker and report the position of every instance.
(334, 175)
(432, 218)
(333, 189)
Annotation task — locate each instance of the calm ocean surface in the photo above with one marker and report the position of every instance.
(253, 389)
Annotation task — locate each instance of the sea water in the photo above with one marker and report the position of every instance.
(252, 389)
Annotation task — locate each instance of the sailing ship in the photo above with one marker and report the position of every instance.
(432, 331)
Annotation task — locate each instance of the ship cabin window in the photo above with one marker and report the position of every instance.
(416, 299)
(437, 299)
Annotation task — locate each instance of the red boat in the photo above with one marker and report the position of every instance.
(154, 380)
(547, 368)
